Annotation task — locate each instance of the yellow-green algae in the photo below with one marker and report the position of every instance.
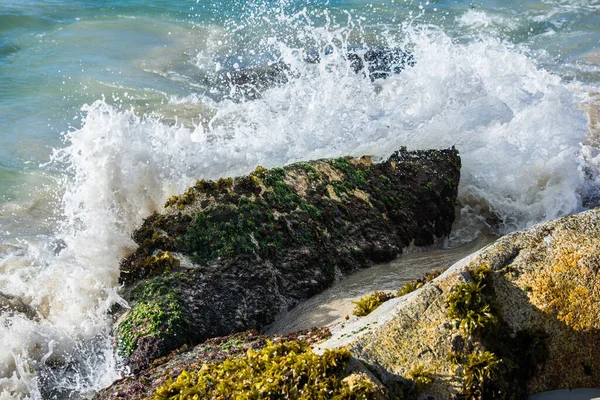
(481, 371)
(368, 304)
(162, 262)
(421, 376)
(288, 370)
(411, 286)
(468, 305)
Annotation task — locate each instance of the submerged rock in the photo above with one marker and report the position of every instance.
(8, 49)
(12, 305)
(519, 317)
(376, 63)
(229, 255)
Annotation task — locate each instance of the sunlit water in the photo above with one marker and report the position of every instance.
(108, 108)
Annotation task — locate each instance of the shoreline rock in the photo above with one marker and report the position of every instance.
(519, 317)
(228, 256)
(214, 350)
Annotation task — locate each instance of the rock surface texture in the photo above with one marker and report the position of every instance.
(519, 317)
(229, 255)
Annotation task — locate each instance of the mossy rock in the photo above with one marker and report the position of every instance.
(237, 251)
(519, 317)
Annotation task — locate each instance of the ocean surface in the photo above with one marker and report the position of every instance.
(109, 107)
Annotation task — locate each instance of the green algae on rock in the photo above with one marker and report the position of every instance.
(283, 370)
(519, 317)
(236, 252)
(366, 305)
(214, 352)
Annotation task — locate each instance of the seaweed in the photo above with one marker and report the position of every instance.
(285, 370)
(368, 304)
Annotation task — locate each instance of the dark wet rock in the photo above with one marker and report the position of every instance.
(229, 255)
(13, 305)
(256, 78)
(376, 63)
(8, 49)
(380, 63)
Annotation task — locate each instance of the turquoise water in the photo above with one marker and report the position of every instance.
(109, 107)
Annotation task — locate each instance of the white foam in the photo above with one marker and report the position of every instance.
(479, 19)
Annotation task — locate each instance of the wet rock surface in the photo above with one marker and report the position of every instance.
(229, 255)
(13, 305)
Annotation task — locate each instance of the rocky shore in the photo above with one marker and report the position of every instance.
(518, 317)
(230, 255)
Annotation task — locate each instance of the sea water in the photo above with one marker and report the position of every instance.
(108, 108)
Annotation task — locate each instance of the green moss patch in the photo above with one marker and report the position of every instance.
(249, 225)
(228, 231)
(158, 312)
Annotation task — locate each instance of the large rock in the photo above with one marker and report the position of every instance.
(228, 256)
(519, 317)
